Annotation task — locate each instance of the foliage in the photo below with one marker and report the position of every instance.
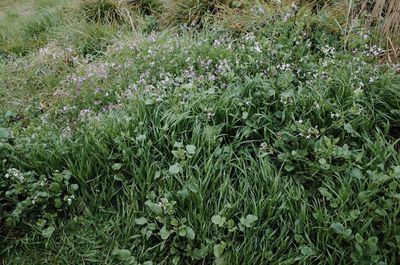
(273, 143)
(26, 194)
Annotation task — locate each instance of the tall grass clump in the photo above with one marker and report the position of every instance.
(380, 20)
(104, 11)
(146, 7)
(196, 12)
(90, 40)
(31, 33)
(41, 25)
(242, 17)
(383, 18)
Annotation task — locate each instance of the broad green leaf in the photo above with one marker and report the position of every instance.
(372, 243)
(42, 194)
(157, 175)
(55, 187)
(67, 175)
(154, 207)
(191, 149)
(141, 137)
(218, 220)
(356, 173)
(219, 249)
(353, 215)
(200, 253)
(349, 128)
(339, 228)
(116, 166)
(10, 114)
(193, 187)
(289, 168)
(184, 193)
(359, 239)
(5, 133)
(324, 192)
(174, 169)
(249, 220)
(122, 254)
(46, 233)
(306, 251)
(175, 260)
(178, 144)
(190, 233)
(164, 233)
(141, 221)
(182, 231)
(174, 222)
(57, 202)
(149, 101)
(73, 187)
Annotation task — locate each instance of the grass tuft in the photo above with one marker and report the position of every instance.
(104, 11)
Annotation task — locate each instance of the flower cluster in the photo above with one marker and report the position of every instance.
(15, 174)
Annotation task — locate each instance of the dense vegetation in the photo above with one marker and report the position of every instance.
(197, 132)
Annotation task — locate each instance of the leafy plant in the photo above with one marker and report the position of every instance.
(26, 196)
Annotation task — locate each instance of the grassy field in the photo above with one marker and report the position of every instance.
(184, 132)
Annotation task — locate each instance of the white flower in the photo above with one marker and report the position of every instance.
(372, 79)
(34, 200)
(358, 92)
(263, 146)
(12, 172)
(163, 203)
(66, 132)
(250, 36)
(257, 47)
(284, 67)
(327, 50)
(335, 115)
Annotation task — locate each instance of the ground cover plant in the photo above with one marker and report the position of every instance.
(128, 139)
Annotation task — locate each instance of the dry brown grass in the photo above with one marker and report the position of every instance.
(383, 18)
(380, 17)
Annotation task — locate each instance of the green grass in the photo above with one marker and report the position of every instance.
(275, 146)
